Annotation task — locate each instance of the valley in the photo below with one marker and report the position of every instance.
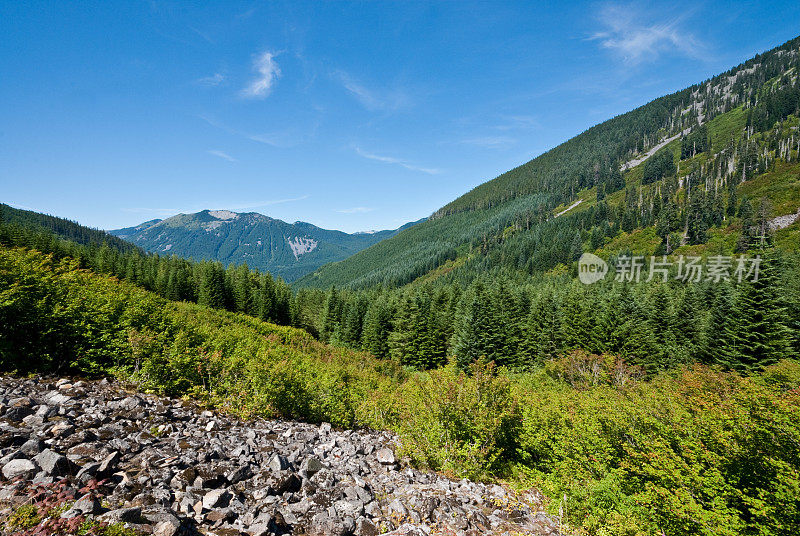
(232, 374)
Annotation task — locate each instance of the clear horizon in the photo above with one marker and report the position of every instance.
(349, 116)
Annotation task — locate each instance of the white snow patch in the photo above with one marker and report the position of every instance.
(301, 245)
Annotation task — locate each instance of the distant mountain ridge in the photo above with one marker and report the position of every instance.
(288, 250)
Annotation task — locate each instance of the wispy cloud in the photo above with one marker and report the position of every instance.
(203, 34)
(355, 210)
(491, 142)
(289, 137)
(223, 155)
(372, 99)
(396, 161)
(518, 122)
(628, 32)
(268, 72)
(213, 80)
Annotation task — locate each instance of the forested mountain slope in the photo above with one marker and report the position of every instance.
(680, 166)
(62, 228)
(287, 250)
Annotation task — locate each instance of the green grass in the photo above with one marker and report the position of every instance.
(781, 187)
(639, 242)
(726, 127)
(788, 238)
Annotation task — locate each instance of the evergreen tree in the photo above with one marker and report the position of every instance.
(377, 327)
(541, 337)
(211, 291)
(331, 316)
(473, 329)
(757, 333)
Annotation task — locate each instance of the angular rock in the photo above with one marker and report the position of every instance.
(53, 464)
(385, 456)
(19, 468)
(123, 515)
(278, 463)
(311, 466)
(32, 447)
(216, 498)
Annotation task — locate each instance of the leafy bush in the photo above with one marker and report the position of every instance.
(699, 451)
(459, 423)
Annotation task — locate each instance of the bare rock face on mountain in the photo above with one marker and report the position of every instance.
(93, 450)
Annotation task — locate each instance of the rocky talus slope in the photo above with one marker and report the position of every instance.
(97, 454)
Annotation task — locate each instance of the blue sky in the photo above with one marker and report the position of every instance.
(351, 116)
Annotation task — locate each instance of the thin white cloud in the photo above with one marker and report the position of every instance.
(627, 33)
(518, 122)
(372, 99)
(396, 161)
(223, 155)
(289, 137)
(213, 80)
(268, 73)
(491, 142)
(355, 210)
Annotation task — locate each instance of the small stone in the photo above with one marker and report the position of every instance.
(278, 463)
(88, 504)
(32, 447)
(242, 473)
(216, 498)
(365, 527)
(397, 508)
(385, 456)
(165, 528)
(310, 467)
(108, 464)
(61, 429)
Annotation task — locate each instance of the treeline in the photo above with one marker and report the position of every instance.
(63, 228)
(654, 326)
(236, 289)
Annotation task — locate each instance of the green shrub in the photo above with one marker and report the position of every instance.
(459, 423)
(24, 517)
